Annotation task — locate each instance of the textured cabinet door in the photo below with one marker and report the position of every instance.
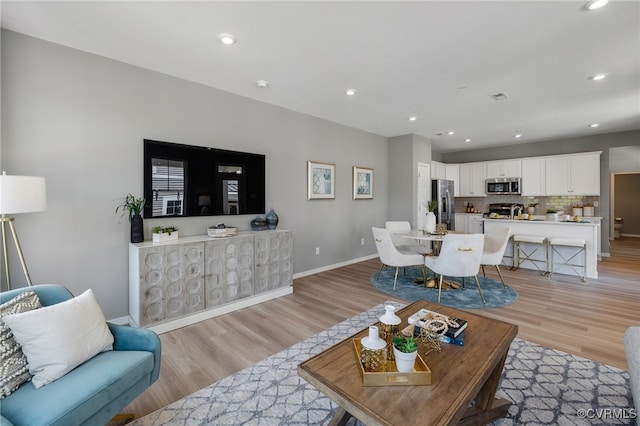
(273, 252)
(171, 282)
(229, 269)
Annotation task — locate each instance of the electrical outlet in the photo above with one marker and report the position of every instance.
(317, 251)
(596, 204)
(361, 241)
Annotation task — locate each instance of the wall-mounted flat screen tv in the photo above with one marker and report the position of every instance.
(186, 180)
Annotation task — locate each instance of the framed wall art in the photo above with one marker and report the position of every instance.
(362, 183)
(321, 180)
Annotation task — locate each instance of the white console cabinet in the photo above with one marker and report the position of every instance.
(179, 282)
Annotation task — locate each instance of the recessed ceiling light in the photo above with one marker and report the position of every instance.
(467, 140)
(350, 92)
(517, 135)
(597, 77)
(413, 118)
(262, 84)
(594, 125)
(227, 39)
(595, 4)
(451, 132)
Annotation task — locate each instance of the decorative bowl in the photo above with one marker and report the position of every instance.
(214, 232)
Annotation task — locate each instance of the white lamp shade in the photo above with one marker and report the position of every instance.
(22, 194)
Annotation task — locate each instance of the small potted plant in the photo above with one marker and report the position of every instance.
(160, 233)
(552, 215)
(405, 351)
(132, 207)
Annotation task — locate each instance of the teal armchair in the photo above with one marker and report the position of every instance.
(93, 392)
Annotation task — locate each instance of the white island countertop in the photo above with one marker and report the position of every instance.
(587, 231)
(593, 221)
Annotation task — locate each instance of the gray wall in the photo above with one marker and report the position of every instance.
(405, 152)
(79, 120)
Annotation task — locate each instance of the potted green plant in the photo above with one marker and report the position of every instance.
(405, 351)
(167, 233)
(132, 207)
(552, 215)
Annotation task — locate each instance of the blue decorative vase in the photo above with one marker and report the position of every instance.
(259, 223)
(272, 219)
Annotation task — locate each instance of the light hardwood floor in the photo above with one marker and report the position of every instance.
(562, 313)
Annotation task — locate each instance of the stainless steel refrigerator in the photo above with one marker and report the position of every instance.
(442, 191)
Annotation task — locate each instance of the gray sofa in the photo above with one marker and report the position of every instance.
(632, 351)
(93, 392)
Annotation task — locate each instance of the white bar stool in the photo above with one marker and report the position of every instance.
(578, 243)
(521, 255)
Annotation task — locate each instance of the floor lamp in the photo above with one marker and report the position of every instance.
(19, 194)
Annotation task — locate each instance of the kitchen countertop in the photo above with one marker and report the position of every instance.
(541, 219)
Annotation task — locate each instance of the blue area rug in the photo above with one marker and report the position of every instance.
(468, 298)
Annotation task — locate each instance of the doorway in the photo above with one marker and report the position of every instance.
(625, 193)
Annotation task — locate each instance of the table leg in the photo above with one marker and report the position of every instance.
(487, 407)
(340, 418)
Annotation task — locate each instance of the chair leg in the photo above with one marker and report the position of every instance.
(424, 275)
(381, 268)
(500, 274)
(439, 288)
(483, 273)
(479, 289)
(395, 279)
(462, 279)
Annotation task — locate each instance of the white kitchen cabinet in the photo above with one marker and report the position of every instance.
(504, 169)
(533, 177)
(471, 223)
(573, 175)
(460, 222)
(438, 170)
(452, 172)
(179, 282)
(472, 179)
(475, 224)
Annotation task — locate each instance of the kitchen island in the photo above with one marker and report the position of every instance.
(584, 230)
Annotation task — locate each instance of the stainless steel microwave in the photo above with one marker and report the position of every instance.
(500, 186)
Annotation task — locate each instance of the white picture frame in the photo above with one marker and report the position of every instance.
(362, 183)
(321, 180)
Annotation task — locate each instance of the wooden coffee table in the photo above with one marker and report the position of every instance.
(464, 379)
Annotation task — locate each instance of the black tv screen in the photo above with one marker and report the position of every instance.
(186, 180)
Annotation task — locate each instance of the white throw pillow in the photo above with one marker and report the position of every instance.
(58, 338)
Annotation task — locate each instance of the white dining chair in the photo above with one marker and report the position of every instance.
(392, 256)
(495, 244)
(395, 227)
(460, 256)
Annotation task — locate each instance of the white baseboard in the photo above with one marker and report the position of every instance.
(333, 266)
(126, 320)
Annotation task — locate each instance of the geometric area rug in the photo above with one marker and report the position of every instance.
(547, 387)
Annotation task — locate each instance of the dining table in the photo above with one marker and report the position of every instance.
(436, 238)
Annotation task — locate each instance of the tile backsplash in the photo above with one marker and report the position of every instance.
(559, 203)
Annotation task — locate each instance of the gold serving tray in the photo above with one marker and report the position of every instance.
(421, 374)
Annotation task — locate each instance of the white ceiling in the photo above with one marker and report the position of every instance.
(438, 60)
